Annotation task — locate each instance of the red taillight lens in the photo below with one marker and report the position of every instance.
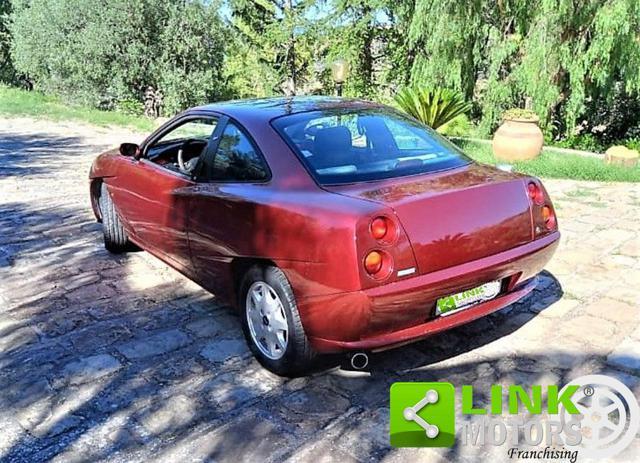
(548, 217)
(379, 228)
(535, 193)
(373, 262)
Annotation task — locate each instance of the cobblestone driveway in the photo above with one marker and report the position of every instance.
(121, 358)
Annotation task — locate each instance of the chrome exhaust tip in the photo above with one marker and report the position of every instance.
(359, 361)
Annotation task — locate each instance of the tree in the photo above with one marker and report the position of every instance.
(103, 53)
(274, 48)
(577, 52)
(559, 53)
(7, 73)
(368, 35)
(189, 67)
(568, 59)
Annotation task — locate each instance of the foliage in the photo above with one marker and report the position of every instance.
(519, 114)
(7, 73)
(432, 106)
(574, 63)
(586, 142)
(611, 119)
(130, 106)
(632, 143)
(553, 164)
(459, 126)
(247, 73)
(274, 47)
(558, 53)
(189, 65)
(98, 53)
(360, 33)
(286, 47)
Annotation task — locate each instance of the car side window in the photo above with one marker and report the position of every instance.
(236, 159)
(194, 129)
(187, 140)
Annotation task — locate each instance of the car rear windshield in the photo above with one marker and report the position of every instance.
(348, 146)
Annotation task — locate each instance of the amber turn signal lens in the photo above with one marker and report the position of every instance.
(373, 262)
(548, 217)
(379, 228)
(535, 193)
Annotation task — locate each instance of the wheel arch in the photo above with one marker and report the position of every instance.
(95, 191)
(239, 267)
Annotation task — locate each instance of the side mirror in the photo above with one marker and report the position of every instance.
(130, 150)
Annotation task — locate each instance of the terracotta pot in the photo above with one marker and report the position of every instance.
(518, 140)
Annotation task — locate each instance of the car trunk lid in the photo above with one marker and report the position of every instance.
(455, 216)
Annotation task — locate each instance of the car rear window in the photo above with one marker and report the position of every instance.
(348, 146)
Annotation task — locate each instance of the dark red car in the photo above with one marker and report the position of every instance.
(334, 225)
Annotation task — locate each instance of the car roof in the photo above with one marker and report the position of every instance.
(266, 109)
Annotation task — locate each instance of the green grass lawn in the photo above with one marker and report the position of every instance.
(554, 164)
(16, 102)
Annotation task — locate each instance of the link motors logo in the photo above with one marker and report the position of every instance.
(594, 415)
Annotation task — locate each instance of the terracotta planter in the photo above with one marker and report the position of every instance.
(517, 140)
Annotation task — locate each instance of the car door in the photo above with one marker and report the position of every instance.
(222, 222)
(153, 194)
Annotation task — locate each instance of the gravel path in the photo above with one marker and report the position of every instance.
(122, 359)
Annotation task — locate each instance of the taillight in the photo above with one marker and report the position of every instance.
(383, 246)
(535, 194)
(544, 218)
(373, 262)
(384, 230)
(379, 228)
(548, 217)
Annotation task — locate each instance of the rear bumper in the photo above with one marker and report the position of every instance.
(402, 312)
(424, 330)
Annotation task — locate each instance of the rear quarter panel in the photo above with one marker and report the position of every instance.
(308, 234)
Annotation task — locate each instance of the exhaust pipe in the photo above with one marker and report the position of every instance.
(359, 361)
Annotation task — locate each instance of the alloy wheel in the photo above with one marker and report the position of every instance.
(267, 320)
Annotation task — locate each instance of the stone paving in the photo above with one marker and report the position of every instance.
(120, 358)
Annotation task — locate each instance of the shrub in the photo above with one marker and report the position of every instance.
(631, 143)
(615, 118)
(459, 126)
(130, 106)
(586, 142)
(100, 53)
(432, 106)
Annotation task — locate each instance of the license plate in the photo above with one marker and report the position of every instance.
(449, 304)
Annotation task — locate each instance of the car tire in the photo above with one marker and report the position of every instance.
(115, 237)
(297, 357)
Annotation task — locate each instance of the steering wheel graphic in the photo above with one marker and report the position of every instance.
(607, 426)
